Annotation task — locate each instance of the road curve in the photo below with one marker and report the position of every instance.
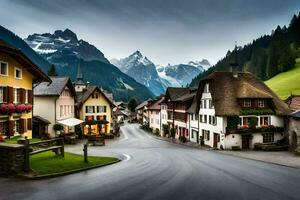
(155, 169)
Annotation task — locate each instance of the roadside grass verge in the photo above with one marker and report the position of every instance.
(48, 163)
(14, 140)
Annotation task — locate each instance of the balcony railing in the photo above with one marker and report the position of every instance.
(247, 129)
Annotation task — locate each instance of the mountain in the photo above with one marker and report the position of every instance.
(66, 52)
(181, 74)
(16, 41)
(142, 70)
(266, 56)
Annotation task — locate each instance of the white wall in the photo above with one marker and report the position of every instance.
(164, 116)
(45, 108)
(154, 119)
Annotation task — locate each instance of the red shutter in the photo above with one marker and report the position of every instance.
(10, 95)
(30, 96)
(11, 125)
(29, 124)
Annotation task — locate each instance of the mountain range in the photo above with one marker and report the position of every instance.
(156, 77)
(65, 51)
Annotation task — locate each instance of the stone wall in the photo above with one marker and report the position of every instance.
(11, 159)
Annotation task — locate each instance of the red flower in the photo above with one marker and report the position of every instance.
(10, 107)
(3, 108)
(28, 108)
(21, 108)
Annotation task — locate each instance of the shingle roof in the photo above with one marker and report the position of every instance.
(155, 105)
(143, 104)
(176, 92)
(55, 88)
(226, 89)
(293, 102)
(296, 114)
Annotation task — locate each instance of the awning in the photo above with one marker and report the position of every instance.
(70, 121)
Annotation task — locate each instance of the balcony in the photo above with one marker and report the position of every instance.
(248, 130)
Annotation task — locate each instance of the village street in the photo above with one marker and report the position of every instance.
(155, 169)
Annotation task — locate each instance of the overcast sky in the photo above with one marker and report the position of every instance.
(166, 31)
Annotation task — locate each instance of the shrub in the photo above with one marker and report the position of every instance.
(156, 131)
(165, 128)
(173, 132)
(58, 127)
(182, 139)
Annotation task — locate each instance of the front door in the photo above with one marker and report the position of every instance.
(245, 142)
(215, 140)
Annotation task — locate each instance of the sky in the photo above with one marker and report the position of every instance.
(166, 31)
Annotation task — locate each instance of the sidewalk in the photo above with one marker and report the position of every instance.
(283, 158)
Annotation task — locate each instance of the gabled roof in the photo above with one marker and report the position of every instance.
(226, 89)
(55, 88)
(293, 101)
(120, 112)
(18, 55)
(296, 114)
(83, 96)
(145, 103)
(174, 93)
(155, 105)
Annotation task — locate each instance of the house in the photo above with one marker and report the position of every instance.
(154, 113)
(142, 114)
(293, 101)
(54, 103)
(294, 130)
(95, 108)
(178, 101)
(121, 105)
(120, 115)
(237, 110)
(17, 75)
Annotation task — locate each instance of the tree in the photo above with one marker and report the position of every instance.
(132, 104)
(52, 71)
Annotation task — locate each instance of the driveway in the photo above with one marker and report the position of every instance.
(155, 169)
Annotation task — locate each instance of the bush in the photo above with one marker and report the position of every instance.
(58, 127)
(173, 132)
(165, 128)
(156, 132)
(182, 139)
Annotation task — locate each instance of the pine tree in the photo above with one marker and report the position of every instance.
(132, 104)
(52, 71)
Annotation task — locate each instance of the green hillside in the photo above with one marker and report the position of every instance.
(286, 83)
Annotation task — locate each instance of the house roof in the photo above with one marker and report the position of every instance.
(296, 114)
(293, 102)
(83, 96)
(55, 88)
(174, 93)
(143, 104)
(155, 105)
(18, 55)
(39, 119)
(226, 89)
(119, 112)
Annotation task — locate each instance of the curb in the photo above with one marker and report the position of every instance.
(37, 177)
(216, 151)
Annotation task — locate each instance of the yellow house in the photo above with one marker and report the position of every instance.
(17, 76)
(95, 108)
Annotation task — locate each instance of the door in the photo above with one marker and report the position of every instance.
(215, 140)
(245, 142)
(197, 136)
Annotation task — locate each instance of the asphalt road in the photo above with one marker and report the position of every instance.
(155, 169)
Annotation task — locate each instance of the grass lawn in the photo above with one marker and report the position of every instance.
(14, 140)
(286, 83)
(49, 163)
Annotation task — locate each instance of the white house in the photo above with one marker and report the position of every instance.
(236, 110)
(154, 113)
(55, 102)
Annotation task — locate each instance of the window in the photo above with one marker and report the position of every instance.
(206, 88)
(3, 68)
(2, 93)
(214, 120)
(3, 128)
(151, 120)
(261, 103)
(196, 117)
(205, 119)
(210, 119)
(268, 137)
(210, 103)
(89, 109)
(247, 103)
(65, 110)
(17, 126)
(265, 121)
(201, 118)
(204, 103)
(206, 134)
(101, 109)
(61, 111)
(17, 96)
(18, 73)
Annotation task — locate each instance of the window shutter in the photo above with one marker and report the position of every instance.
(30, 96)
(11, 125)
(104, 108)
(5, 95)
(22, 95)
(10, 95)
(29, 124)
(22, 126)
